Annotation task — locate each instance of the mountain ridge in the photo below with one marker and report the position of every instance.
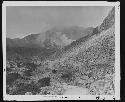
(107, 23)
(53, 33)
(38, 39)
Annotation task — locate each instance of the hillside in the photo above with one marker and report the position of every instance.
(107, 23)
(87, 63)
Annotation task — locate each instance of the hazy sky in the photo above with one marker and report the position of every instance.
(21, 21)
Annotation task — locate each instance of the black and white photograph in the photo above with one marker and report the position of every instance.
(57, 50)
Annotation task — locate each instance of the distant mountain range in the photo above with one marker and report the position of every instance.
(60, 36)
(49, 41)
(57, 39)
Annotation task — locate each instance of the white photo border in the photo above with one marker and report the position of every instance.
(64, 3)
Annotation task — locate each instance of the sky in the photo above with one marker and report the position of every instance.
(25, 20)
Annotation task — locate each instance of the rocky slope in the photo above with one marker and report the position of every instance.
(88, 63)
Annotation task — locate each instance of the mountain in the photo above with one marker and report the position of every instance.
(88, 62)
(107, 23)
(72, 32)
(64, 37)
(58, 35)
(53, 39)
(27, 41)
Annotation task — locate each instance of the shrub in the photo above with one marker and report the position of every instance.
(44, 82)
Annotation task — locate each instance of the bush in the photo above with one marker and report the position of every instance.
(23, 88)
(10, 78)
(44, 82)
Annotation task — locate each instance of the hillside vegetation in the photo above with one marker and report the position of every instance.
(88, 63)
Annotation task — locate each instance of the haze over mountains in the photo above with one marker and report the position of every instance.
(55, 38)
(58, 35)
(46, 43)
(107, 23)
